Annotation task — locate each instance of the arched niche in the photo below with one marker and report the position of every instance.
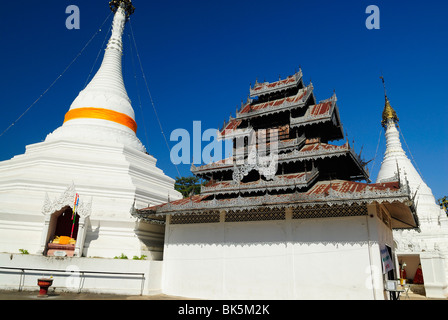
(63, 223)
(58, 215)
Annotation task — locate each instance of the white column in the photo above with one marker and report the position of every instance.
(434, 276)
(83, 223)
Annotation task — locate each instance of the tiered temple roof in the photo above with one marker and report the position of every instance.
(266, 88)
(304, 130)
(297, 166)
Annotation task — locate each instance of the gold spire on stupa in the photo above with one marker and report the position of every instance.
(125, 4)
(388, 112)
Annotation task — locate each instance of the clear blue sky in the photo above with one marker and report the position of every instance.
(200, 57)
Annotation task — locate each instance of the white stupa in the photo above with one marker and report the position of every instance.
(427, 245)
(97, 155)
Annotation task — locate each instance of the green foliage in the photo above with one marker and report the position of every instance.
(24, 251)
(142, 257)
(188, 186)
(443, 203)
(123, 256)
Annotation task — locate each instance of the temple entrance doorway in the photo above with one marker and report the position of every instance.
(411, 270)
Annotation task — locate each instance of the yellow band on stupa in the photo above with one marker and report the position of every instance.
(103, 114)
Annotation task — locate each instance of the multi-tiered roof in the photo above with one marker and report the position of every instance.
(299, 164)
(304, 128)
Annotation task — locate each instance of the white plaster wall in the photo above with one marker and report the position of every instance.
(111, 176)
(71, 282)
(291, 259)
(434, 274)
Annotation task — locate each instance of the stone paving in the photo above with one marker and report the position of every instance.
(31, 295)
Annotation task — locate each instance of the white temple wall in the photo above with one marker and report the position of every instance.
(102, 239)
(65, 281)
(114, 175)
(19, 234)
(112, 178)
(327, 258)
(434, 274)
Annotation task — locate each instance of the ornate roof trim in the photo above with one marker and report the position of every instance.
(309, 151)
(66, 199)
(327, 192)
(282, 182)
(276, 106)
(319, 113)
(266, 87)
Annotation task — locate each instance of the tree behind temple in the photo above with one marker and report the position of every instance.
(188, 186)
(443, 203)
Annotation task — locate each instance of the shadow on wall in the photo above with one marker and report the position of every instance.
(92, 235)
(336, 232)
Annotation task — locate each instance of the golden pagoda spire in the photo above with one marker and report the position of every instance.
(125, 4)
(388, 112)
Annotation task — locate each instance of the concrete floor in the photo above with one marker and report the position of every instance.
(31, 295)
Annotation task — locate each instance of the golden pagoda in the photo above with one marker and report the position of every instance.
(388, 113)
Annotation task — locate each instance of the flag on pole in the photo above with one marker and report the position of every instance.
(75, 206)
(386, 260)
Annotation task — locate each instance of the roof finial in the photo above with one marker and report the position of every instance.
(126, 4)
(384, 84)
(388, 112)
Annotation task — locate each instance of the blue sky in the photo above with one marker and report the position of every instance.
(200, 57)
